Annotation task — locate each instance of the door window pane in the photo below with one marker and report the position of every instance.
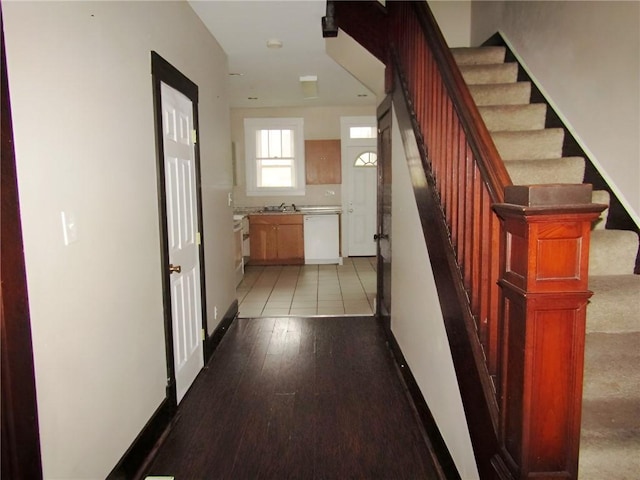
(366, 159)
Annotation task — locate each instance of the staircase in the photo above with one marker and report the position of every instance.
(610, 439)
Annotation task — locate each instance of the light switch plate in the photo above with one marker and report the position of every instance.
(69, 227)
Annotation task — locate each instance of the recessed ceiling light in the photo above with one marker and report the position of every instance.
(274, 43)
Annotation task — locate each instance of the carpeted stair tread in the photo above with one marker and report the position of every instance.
(495, 73)
(612, 252)
(614, 306)
(478, 56)
(529, 144)
(518, 93)
(542, 171)
(602, 197)
(611, 369)
(610, 428)
(514, 117)
(609, 459)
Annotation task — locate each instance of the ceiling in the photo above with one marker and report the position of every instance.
(270, 77)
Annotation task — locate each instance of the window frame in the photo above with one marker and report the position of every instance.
(251, 127)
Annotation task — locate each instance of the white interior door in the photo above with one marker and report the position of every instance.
(182, 225)
(362, 197)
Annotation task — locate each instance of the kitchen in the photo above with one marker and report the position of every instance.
(307, 234)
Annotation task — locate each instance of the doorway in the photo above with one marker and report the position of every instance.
(175, 103)
(359, 173)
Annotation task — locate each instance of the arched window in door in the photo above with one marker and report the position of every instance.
(366, 159)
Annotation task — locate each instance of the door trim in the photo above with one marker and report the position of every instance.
(163, 72)
(384, 119)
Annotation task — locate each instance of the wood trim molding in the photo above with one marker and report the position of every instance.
(142, 451)
(435, 442)
(20, 456)
(216, 336)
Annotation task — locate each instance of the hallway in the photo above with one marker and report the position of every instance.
(297, 398)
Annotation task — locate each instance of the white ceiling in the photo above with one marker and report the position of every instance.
(272, 75)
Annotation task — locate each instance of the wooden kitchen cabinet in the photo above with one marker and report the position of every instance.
(323, 164)
(276, 239)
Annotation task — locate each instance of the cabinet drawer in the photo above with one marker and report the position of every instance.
(283, 219)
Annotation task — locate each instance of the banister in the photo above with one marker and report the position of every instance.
(489, 162)
(514, 258)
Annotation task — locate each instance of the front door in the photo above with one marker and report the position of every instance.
(182, 231)
(359, 159)
(383, 237)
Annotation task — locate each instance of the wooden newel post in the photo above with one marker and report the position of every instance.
(544, 295)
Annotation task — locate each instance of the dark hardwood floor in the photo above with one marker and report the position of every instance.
(297, 398)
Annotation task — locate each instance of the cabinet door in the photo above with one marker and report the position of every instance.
(322, 162)
(290, 242)
(264, 242)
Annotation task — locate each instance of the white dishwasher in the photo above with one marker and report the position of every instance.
(321, 239)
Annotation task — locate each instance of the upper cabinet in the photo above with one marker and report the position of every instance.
(322, 162)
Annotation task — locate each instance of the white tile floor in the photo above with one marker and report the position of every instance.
(347, 289)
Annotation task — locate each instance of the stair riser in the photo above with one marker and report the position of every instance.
(536, 172)
(612, 252)
(514, 118)
(613, 308)
(479, 56)
(485, 74)
(501, 94)
(529, 145)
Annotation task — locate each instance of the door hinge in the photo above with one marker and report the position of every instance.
(204, 335)
(194, 136)
(198, 239)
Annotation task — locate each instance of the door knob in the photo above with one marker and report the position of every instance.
(380, 236)
(176, 268)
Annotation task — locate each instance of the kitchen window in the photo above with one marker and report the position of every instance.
(274, 151)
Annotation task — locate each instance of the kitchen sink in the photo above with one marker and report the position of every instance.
(280, 209)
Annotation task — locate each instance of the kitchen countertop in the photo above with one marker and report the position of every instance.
(301, 210)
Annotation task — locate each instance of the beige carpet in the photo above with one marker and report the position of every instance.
(610, 440)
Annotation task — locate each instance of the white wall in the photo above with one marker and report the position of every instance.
(320, 123)
(81, 93)
(416, 318)
(585, 56)
(454, 19)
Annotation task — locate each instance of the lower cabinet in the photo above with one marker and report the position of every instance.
(276, 239)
